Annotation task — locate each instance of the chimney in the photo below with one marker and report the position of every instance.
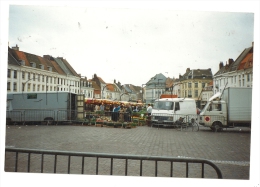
(95, 75)
(16, 48)
(252, 44)
(114, 80)
(48, 57)
(187, 70)
(220, 65)
(230, 61)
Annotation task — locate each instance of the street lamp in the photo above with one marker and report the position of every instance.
(23, 84)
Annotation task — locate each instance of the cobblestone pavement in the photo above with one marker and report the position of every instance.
(229, 150)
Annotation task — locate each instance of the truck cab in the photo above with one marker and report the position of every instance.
(214, 115)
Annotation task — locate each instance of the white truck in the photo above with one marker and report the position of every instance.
(228, 109)
(167, 111)
(40, 107)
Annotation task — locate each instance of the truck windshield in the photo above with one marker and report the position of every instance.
(163, 105)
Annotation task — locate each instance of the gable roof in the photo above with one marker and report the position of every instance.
(240, 58)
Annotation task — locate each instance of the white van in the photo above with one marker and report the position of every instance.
(167, 111)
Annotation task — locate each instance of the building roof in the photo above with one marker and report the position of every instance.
(11, 59)
(29, 58)
(111, 87)
(197, 74)
(243, 61)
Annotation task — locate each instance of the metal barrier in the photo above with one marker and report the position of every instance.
(16, 116)
(40, 116)
(182, 121)
(112, 158)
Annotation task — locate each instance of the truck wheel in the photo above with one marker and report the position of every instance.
(48, 121)
(217, 127)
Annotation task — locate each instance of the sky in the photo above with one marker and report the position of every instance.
(131, 45)
(131, 42)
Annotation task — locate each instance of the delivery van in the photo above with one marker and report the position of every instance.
(167, 111)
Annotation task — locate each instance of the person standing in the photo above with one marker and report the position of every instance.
(116, 112)
(128, 114)
(97, 108)
(102, 107)
(149, 109)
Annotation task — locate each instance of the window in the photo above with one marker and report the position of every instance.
(50, 79)
(196, 93)
(23, 75)
(33, 76)
(248, 77)
(23, 85)
(15, 74)
(189, 93)
(196, 85)
(9, 73)
(54, 80)
(29, 76)
(39, 78)
(243, 80)
(34, 87)
(41, 66)
(177, 106)
(38, 88)
(50, 88)
(33, 64)
(42, 87)
(42, 78)
(47, 88)
(189, 85)
(15, 86)
(29, 87)
(203, 84)
(8, 86)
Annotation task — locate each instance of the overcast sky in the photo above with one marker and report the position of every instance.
(131, 45)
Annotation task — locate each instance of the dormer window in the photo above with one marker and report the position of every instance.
(22, 62)
(41, 66)
(49, 68)
(33, 64)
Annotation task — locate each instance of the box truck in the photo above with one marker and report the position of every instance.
(46, 107)
(228, 109)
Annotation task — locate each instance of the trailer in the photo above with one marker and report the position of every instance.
(228, 109)
(40, 107)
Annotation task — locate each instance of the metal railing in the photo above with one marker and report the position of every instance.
(182, 121)
(40, 116)
(112, 158)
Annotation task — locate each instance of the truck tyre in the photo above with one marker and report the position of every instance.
(217, 126)
(48, 121)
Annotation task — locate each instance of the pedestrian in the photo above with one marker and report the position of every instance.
(128, 113)
(97, 108)
(149, 109)
(116, 112)
(102, 107)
